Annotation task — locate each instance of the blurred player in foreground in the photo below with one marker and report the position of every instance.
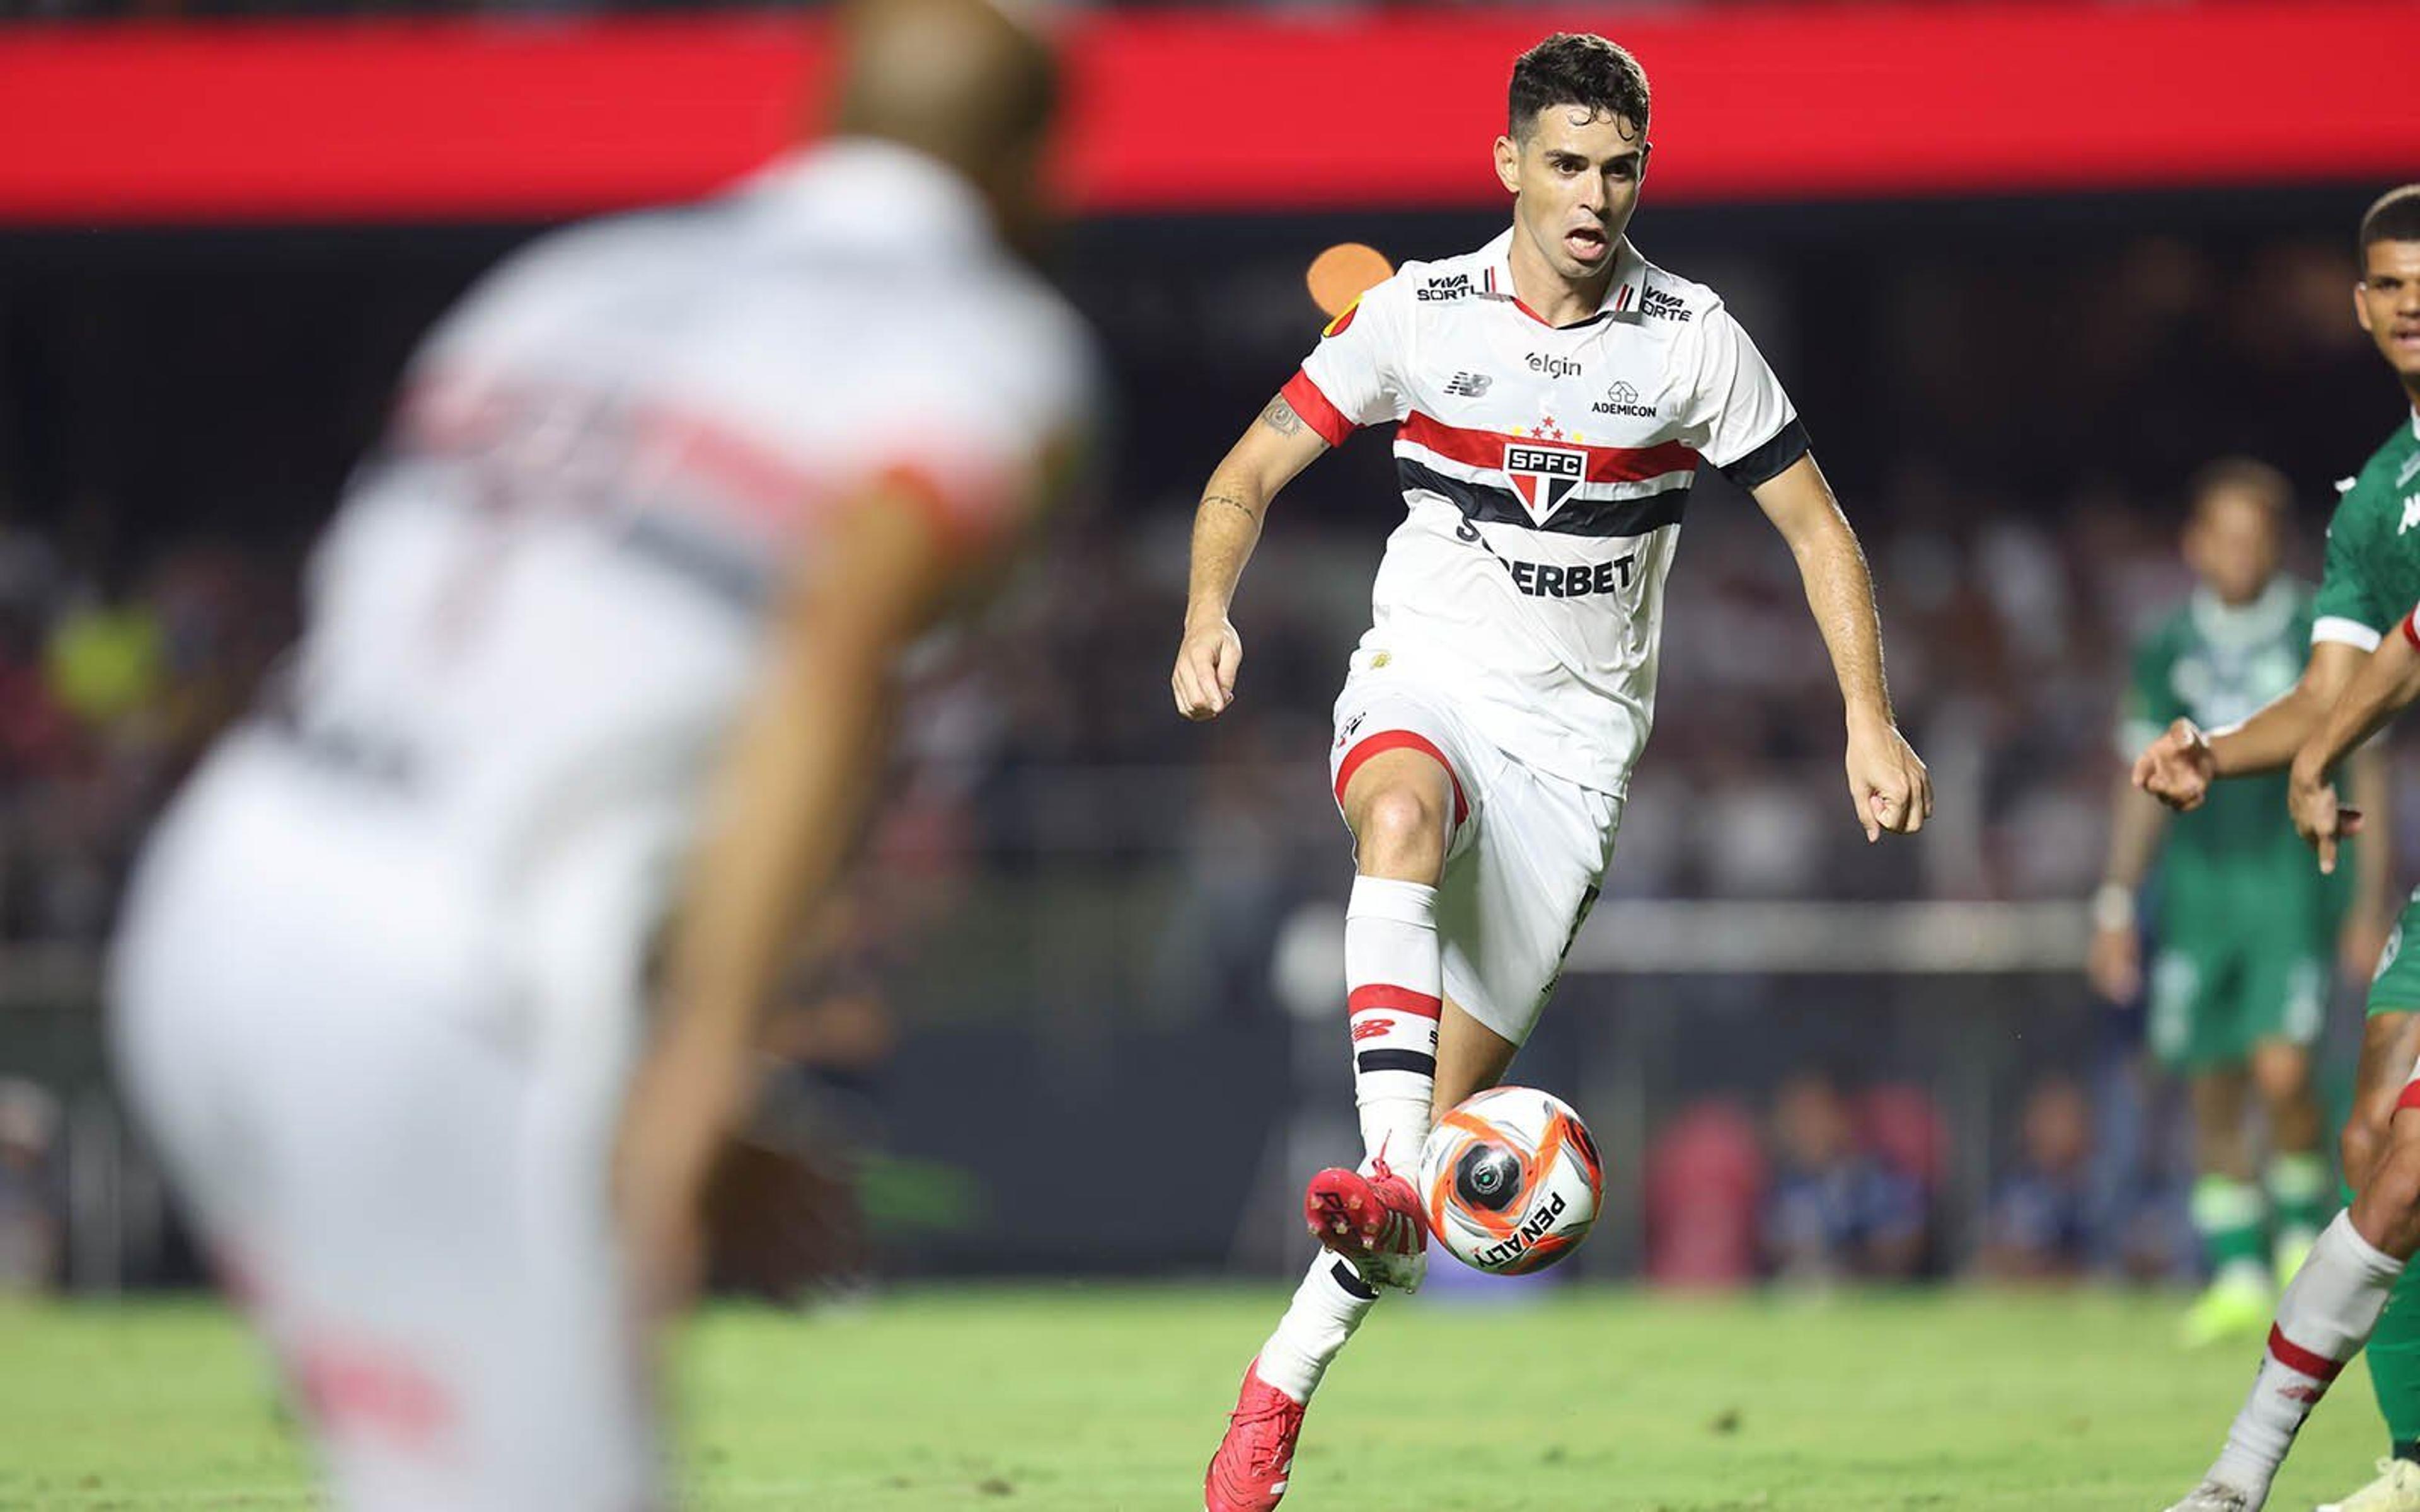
(2372, 580)
(1555, 394)
(600, 641)
(2248, 930)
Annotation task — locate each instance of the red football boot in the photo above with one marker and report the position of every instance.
(1374, 1222)
(1248, 1472)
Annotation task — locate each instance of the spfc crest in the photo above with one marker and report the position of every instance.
(1543, 476)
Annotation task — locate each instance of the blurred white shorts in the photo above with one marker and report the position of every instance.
(1527, 853)
(404, 1177)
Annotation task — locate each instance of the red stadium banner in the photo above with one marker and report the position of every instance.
(536, 119)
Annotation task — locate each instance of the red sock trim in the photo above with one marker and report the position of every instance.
(1378, 995)
(1386, 740)
(2300, 1360)
(2410, 1097)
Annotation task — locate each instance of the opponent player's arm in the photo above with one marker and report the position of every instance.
(1887, 781)
(2177, 767)
(782, 813)
(2136, 823)
(1226, 526)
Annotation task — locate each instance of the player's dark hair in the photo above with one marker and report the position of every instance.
(2242, 476)
(2394, 216)
(1577, 68)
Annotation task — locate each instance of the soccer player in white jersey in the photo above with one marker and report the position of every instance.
(600, 641)
(1554, 395)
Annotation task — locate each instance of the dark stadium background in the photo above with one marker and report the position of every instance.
(1087, 955)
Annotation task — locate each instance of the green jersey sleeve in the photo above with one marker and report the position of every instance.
(2349, 607)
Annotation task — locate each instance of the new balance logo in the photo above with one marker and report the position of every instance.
(1469, 385)
(1372, 1028)
(2410, 513)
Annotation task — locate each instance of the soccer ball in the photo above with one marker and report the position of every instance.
(1510, 1181)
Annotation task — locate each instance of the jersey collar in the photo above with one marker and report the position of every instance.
(2265, 618)
(863, 190)
(1621, 296)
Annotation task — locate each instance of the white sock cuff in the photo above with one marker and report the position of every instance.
(2375, 1262)
(1404, 903)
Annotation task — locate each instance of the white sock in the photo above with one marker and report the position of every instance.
(1395, 977)
(1326, 1309)
(2322, 1321)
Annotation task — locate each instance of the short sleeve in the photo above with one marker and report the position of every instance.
(1737, 416)
(1355, 376)
(986, 445)
(2346, 609)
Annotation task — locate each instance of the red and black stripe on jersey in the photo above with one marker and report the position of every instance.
(1483, 502)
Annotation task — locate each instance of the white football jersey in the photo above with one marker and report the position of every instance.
(541, 603)
(1546, 471)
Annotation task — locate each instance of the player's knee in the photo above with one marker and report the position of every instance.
(2283, 1078)
(1403, 827)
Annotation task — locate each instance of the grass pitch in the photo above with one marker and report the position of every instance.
(1108, 1399)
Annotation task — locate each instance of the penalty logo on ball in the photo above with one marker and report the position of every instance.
(1512, 1180)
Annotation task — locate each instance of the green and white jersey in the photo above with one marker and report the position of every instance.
(2373, 580)
(2373, 576)
(2216, 665)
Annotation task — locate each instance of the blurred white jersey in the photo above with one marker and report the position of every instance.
(379, 984)
(1546, 471)
(542, 605)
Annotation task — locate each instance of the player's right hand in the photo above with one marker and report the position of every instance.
(1206, 662)
(2114, 964)
(2177, 767)
(2318, 817)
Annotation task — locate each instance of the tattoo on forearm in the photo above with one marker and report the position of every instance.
(1232, 502)
(1279, 417)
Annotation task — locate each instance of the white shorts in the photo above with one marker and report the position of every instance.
(1527, 853)
(410, 1206)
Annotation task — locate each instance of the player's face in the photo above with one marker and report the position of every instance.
(2387, 299)
(2232, 545)
(1575, 177)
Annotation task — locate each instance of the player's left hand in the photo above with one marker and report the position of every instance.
(1888, 781)
(2319, 818)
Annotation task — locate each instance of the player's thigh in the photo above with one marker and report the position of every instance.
(2283, 997)
(1395, 736)
(1508, 910)
(2194, 1007)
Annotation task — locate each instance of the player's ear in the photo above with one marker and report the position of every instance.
(1508, 165)
(2361, 306)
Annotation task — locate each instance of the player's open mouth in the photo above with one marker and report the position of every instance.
(1586, 242)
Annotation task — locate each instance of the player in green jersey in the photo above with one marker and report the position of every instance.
(2247, 929)
(2356, 1269)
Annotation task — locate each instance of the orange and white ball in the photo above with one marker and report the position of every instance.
(1512, 1180)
